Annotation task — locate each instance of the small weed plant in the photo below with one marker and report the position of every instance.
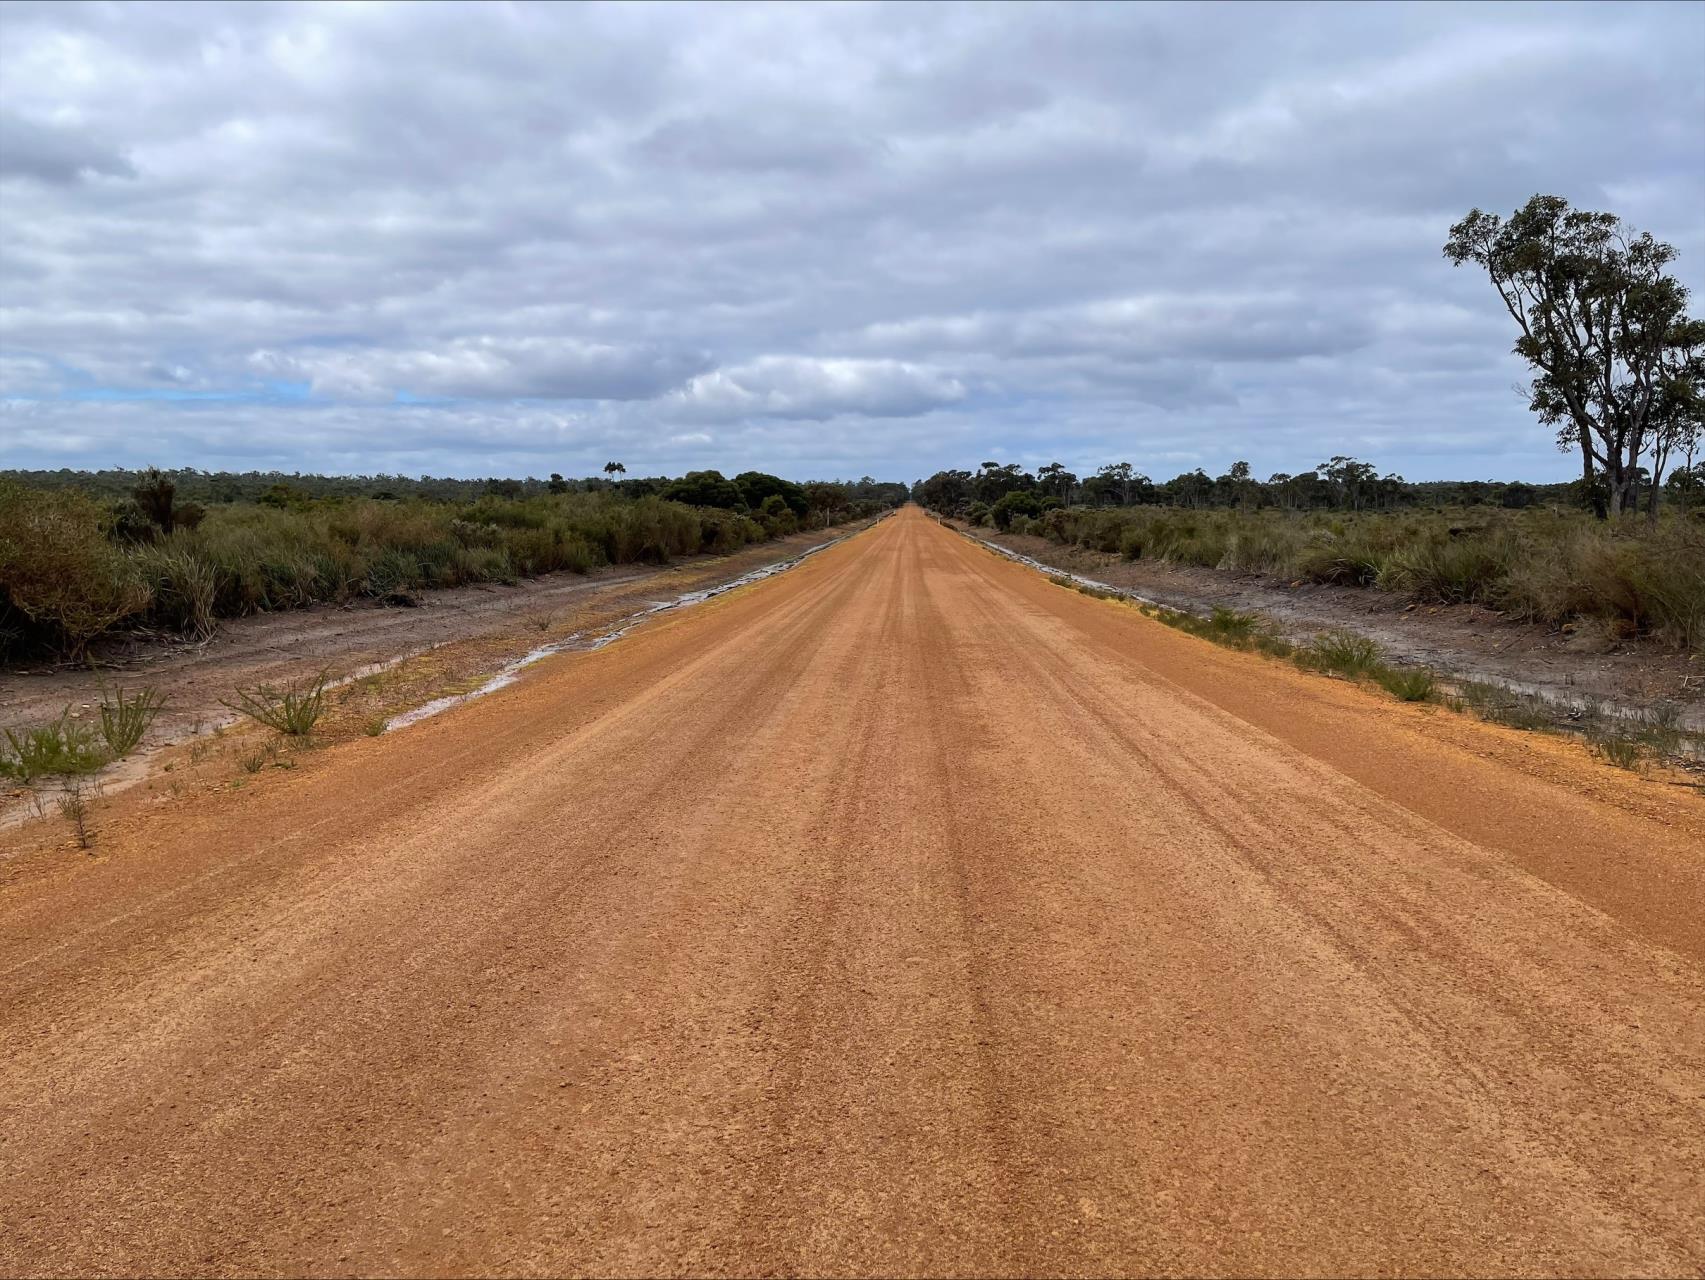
(1232, 627)
(63, 748)
(292, 710)
(74, 808)
(1619, 749)
(124, 719)
(1341, 653)
(1407, 684)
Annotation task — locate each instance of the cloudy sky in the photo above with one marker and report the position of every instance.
(825, 241)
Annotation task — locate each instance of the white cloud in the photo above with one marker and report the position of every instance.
(866, 238)
(810, 388)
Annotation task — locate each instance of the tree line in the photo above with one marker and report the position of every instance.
(1004, 490)
(137, 502)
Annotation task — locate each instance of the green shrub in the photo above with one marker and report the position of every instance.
(62, 747)
(185, 587)
(1407, 684)
(61, 579)
(1449, 571)
(125, 719)
(478, 564)
(292, 710)
(393, 573)
(1342, 653)
(1233, 627)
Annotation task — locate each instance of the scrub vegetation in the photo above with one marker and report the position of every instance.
(58, 759)
(133, 550)
(69, 747)
(293, 710)
(1537, 555)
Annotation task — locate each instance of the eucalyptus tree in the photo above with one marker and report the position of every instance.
(1603, 326)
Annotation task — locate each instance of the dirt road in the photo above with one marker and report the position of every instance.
(904, 914)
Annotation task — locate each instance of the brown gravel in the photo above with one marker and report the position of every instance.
(905, 914)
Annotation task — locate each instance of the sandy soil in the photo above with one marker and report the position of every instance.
(1466, 640)
(904, 914)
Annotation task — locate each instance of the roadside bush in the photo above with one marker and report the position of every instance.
(125, 719)
(61, 748)
(1448, 570)
(1233, 627)
(1542, 564)
(1406, 684)
(394, 572)
(63, 582)
(292, 710)
(476, 564)
(1341, 653)
(184, 585)
(71, 569)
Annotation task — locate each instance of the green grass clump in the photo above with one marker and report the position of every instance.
(125, 719)
(1232, 627)
(61, 748)
(1618, 749)
(184, 584)
(1407, 684)
(1504, 706)
(1341, 653)
(292, 710)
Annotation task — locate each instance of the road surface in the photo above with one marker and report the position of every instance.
(904, 914)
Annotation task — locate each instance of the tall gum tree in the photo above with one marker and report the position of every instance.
(1603, 326)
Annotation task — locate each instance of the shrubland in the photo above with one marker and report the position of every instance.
(74, 567)
(1538, 553)
(1547, 565)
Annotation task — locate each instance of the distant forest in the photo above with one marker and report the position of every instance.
(1342, 483)
(280, 488)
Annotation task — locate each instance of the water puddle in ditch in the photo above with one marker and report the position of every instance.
(596, 638)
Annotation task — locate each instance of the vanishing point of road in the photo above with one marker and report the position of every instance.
(903, 914)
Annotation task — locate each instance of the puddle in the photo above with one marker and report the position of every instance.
(586, 641)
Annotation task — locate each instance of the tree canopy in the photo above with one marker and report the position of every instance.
(1603, 326)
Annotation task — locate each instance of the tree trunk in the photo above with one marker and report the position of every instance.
(1593, 495)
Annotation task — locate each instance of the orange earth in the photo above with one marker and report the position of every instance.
(902, 914)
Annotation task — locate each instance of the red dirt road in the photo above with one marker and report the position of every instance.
(904, 914)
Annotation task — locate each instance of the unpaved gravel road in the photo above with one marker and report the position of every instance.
(904, 914)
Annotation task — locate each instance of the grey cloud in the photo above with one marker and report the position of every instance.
(539, 368)
(868, 238)
(55, 153)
